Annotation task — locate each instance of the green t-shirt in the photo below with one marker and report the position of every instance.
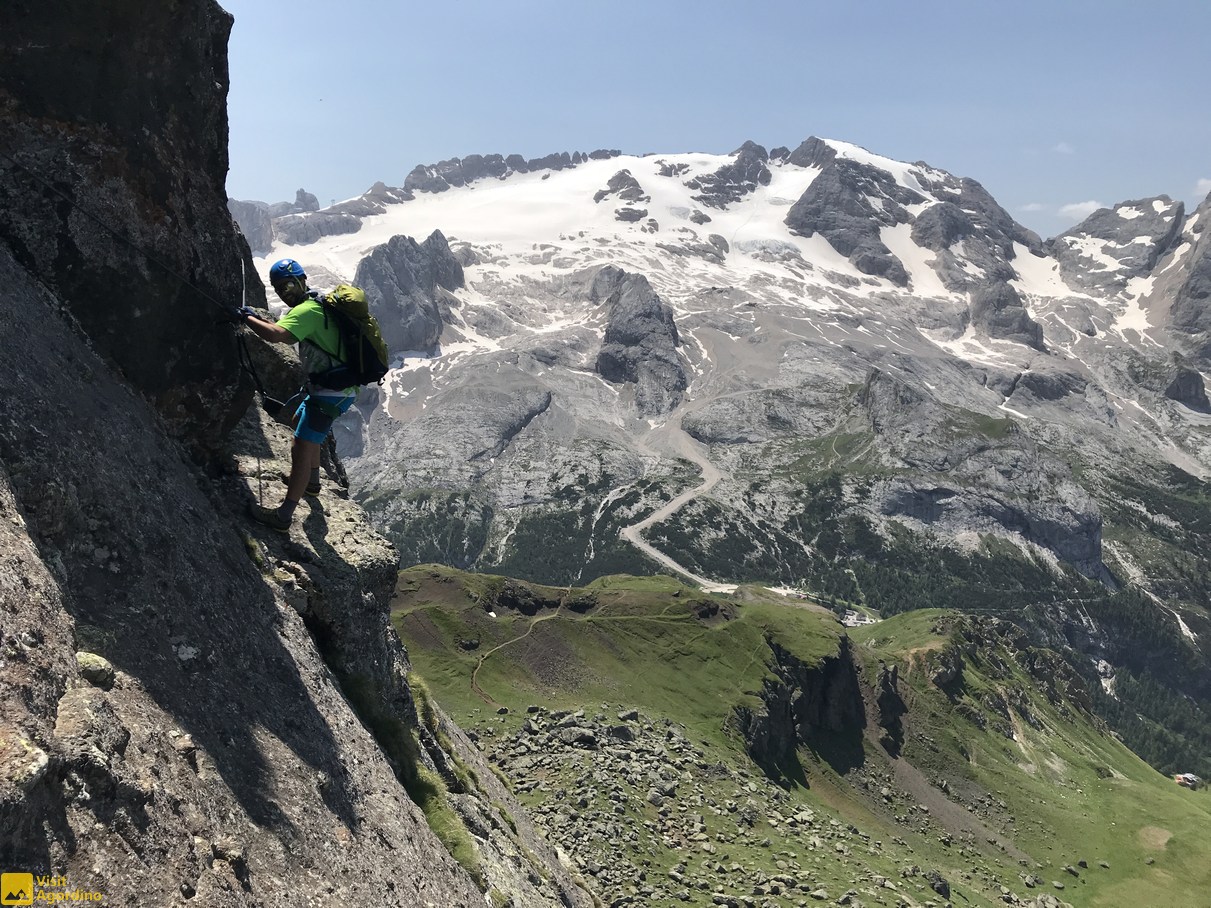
(319, 344)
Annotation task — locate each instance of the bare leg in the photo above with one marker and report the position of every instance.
(303, 454)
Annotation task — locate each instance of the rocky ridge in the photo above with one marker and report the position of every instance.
(304, 222)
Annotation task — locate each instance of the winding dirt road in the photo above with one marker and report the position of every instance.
(682, 445)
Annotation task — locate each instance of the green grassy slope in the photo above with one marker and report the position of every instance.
(1005, 780)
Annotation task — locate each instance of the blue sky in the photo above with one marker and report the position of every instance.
(1050, 105)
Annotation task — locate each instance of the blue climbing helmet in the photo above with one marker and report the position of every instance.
(286, 269)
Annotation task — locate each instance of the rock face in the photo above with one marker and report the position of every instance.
(848, 204)
(812, 152)
(985, 487)
(404, 280)
(454, 172)
(968, 218)
(1191, 308)
(890, 709)
(162, 237)
(443, 175)
(256, 223)
(304, 202)
(1113, 245)
(852, 202)
(173, 599)
(997, 311)
(302, 222)
(301, 230)
(640, 343)
(625, 187)
(1187, 386)
(802, 706)
(192, 706)
(732, 182)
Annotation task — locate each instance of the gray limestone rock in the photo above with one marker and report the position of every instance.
(300, 230)
(373, 201)
(433, 445)
(987, 488)
(848, 204)
(434, 177)
(812, 152)
(712, 251)
(973, 237)
(640, 342)
(255, 223)
(1113, 245)
(556, 161)
(625, 186)
(630, 215)
(798, 703)
(95, 669)
(1187, 387)
(1051, 383)
(304, 201)
(456, 172)
(997, 311)
(343, 218)
(475, 167)
(761, 416)
(179, 564)
(145, 145)
(1190, 311)
(733, 181)
(1068, 524)
(403, 281)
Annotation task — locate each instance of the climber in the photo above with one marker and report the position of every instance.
(319, 344)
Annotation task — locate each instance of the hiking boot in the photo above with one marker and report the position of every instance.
(271, 517)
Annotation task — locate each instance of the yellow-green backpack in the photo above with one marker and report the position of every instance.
(363, 353)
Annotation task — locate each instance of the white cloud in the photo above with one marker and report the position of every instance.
(1203, 186)
(1032, 206)
(1080, 210)
(1063, 148)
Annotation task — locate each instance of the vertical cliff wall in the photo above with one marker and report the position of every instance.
(113, 135)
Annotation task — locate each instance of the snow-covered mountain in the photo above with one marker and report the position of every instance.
(818, 367)
(592, 333)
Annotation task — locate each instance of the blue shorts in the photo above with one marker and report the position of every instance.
(315, 416)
